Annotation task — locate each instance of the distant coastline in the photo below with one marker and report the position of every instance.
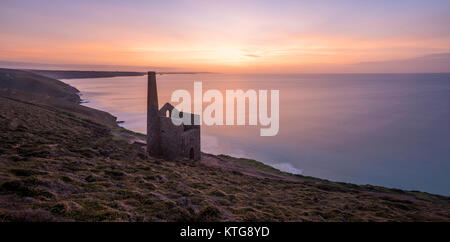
(77, 74)
(68, 74)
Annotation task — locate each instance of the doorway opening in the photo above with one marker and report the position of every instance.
(191, 153)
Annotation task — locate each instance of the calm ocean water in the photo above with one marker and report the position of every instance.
(383, 129)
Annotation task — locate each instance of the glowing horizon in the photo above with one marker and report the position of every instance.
(236, 36)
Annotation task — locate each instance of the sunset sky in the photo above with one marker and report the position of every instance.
(222, 36)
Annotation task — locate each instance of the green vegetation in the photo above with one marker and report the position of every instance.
(129, 132)
(254, 164)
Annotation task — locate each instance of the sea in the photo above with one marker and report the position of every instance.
(389, 130)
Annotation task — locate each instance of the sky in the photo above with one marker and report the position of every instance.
(226, 36)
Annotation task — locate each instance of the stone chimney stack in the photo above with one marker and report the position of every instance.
(153, 126)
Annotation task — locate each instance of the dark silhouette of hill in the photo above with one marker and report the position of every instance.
(32, 88)
(59, 74)
(435, 63)
(38, 84)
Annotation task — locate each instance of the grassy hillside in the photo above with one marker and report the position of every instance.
(54, 94)
(37, 84)
(56, 165)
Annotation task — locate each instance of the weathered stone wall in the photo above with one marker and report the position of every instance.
(171, 142)
(177, 142)
(166, 110)
(191, 144)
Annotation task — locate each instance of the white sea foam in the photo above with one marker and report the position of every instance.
(286, 167)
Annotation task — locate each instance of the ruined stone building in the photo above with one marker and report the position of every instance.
(165, 138)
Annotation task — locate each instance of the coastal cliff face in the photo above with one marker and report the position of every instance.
(51, 93)
(37, 84)
(58, 163)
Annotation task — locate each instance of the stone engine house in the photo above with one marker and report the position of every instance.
(165, 138)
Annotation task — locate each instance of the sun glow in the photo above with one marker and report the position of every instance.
(236, 37)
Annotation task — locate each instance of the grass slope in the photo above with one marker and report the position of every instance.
(33, 83)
